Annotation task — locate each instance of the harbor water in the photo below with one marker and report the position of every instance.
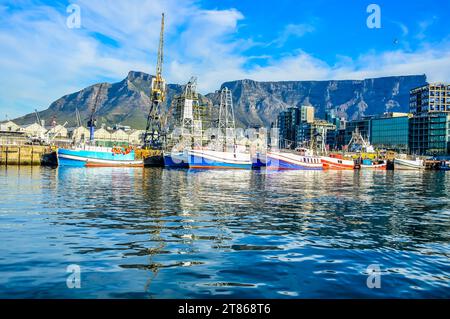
(154, 233)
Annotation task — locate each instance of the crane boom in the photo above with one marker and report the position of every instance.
(152, 136)
(158, 83)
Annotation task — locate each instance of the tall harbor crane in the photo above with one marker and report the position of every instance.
(92, 122)
(153, 130)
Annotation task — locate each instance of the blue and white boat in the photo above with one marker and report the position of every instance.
(258, 160)
(176, 159)
(94, 156)
(219, 159)
(296, 160)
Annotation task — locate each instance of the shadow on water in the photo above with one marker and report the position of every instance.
(151, 232)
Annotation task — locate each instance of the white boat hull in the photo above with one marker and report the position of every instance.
(216, 159)
(403, 164)
(287, 160)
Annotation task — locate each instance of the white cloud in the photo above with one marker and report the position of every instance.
(403, 28)
(292, 30)
(433, 61)
(424, 26)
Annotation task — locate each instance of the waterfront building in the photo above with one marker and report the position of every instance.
(306, 114)
(35, 130)
(119, 136)
(287, 122)
(79, 134)
(335, 138)
(15, 138)
(58, 131)
(135, 137)
(318, 128)
(430, 98)
(10, 126)
(429, 128)
(390, 131)
(339, 139)
(363, 125)
(102, 137)
(429, 134)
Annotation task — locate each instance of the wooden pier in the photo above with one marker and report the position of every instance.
(26, 155)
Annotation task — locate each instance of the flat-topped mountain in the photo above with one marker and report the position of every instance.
(256, 103)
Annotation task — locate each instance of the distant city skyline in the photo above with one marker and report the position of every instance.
(43, 56)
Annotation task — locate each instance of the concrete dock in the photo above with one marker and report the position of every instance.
(25, 155)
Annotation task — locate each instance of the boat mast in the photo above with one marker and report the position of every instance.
(77, 114)
(190, 99)
(227, 125)
(92, 122)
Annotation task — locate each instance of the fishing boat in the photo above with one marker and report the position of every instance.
(444, 166)
(373, 164)
(224, 152)
(186, 118)
(258, 160)
(300, 159)
(405, 164)
(95, 156)
(176, 159)
(337, 161)
(153, 157)
(219, 159)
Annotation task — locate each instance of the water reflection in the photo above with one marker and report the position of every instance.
(186, 233)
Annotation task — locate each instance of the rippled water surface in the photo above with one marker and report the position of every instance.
(153, 233)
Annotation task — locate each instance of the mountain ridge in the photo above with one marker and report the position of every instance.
(256, 103)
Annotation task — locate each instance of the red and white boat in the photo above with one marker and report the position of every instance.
(337, 161)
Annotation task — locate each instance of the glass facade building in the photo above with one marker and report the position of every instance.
(290, 121)
(390, 133)
(429, 128)
(287, 123)
(430, 134)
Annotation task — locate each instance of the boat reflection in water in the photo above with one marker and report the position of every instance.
(156, 233)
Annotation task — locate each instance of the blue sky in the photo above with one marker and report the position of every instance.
(41, 59)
